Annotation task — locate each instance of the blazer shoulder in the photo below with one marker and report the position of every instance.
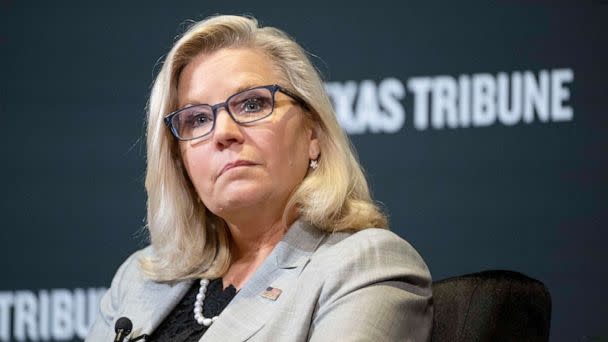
(129, 272)
(373, 245)
(131, 264)
(368, 256)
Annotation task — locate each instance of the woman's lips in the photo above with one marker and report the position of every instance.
(236, 163)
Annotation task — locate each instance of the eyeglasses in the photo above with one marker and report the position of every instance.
(244, 107)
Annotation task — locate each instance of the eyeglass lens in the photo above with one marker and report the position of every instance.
(247, 106)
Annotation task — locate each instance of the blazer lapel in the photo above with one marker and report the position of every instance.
(248, 311)
(152, 303)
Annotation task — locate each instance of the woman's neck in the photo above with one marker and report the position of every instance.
(250, 245)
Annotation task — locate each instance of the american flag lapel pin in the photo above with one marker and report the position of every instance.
(272, 293)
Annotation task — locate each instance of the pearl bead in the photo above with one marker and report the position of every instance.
(198, 305)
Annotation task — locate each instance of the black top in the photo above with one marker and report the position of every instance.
(180, 325)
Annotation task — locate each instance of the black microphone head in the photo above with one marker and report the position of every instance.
(123, 324)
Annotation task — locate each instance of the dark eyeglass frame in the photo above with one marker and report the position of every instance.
(214, 109)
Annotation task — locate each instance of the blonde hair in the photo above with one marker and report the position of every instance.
(188, 240)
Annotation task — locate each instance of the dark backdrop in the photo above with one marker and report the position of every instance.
(529, 197)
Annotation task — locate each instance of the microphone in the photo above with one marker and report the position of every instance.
(122, 328)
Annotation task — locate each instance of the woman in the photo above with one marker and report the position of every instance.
(258, 211)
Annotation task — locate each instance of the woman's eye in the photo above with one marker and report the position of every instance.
(252, 105)
(199, 119)
(255, 105)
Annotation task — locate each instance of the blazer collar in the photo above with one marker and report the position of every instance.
(248, 311)
(298, 244)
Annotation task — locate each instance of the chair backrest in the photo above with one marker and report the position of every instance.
(491, 306)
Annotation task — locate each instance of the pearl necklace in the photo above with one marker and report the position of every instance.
(198, 306)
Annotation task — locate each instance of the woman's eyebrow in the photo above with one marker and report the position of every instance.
(245, 86)
(242, 87)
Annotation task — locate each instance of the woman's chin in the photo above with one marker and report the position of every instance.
(236, 200)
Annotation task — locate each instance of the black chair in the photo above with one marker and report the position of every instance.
(491, 306)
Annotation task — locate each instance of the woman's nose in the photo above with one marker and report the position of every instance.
(226, 131)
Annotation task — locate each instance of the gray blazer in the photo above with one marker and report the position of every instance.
(369, 285)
